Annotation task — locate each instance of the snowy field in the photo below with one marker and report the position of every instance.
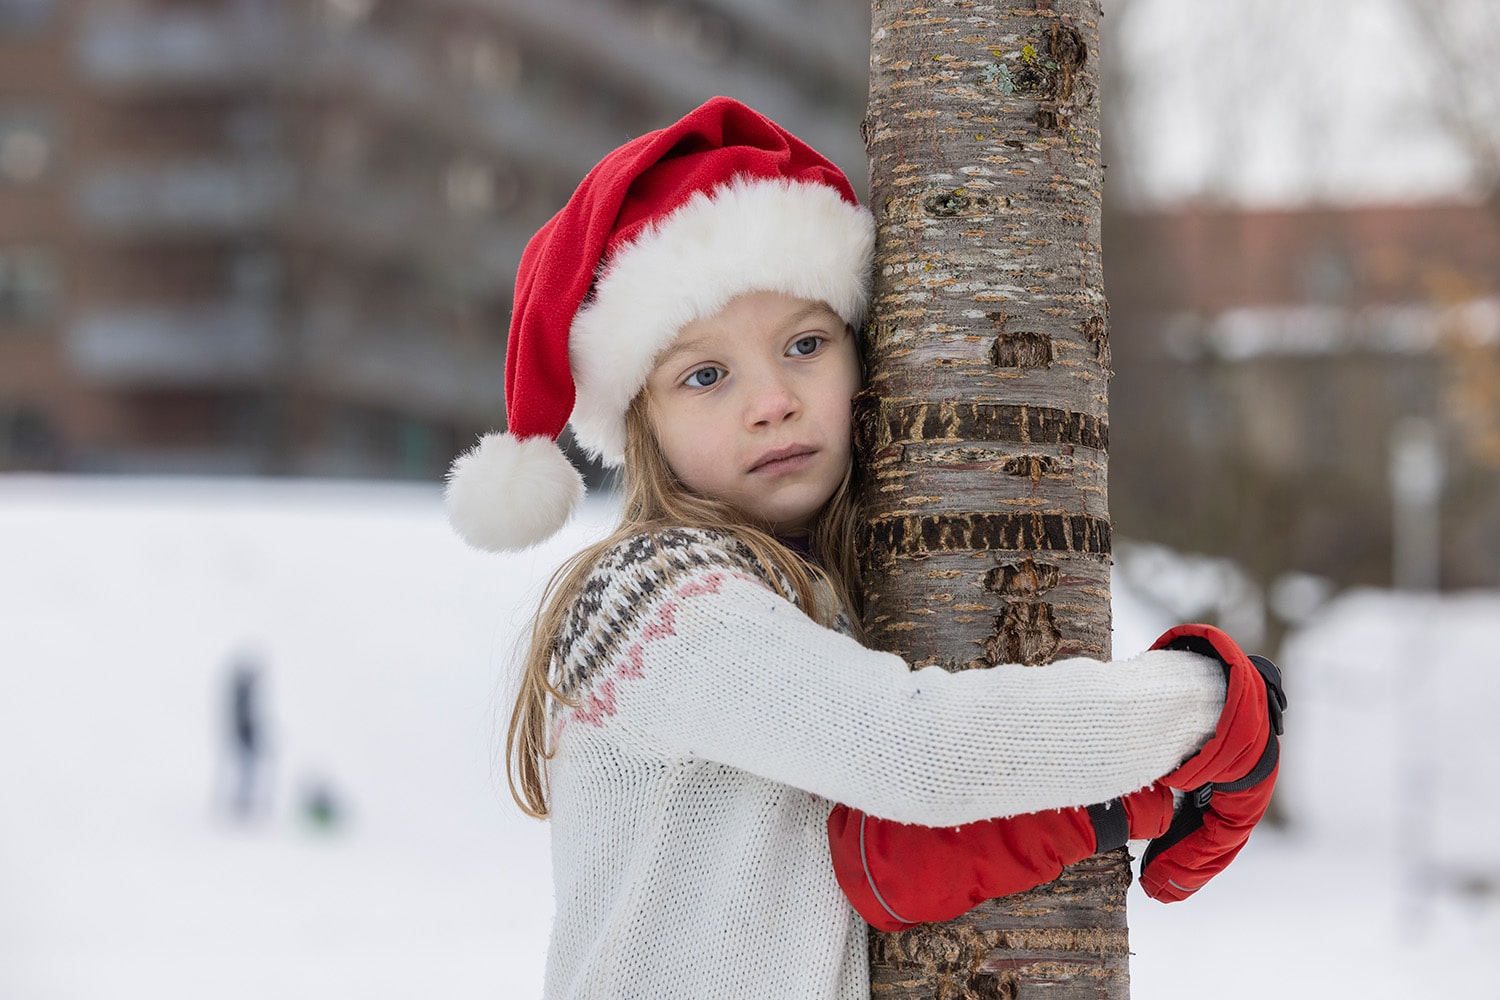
(385, 644)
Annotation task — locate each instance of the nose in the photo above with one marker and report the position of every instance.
(771, 400)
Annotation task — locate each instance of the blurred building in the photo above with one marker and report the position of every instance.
(1266, 361)
(280, 235)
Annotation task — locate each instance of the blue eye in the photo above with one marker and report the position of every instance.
(806, 346)
(704, 377)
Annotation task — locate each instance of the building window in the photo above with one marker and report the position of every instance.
(349, 13)
(343, 145)
(1328, 276)
(484, 61)
(29, 285)
(255, 277)
(28, 144)
(24, 17)
(474, 186)
(693, 29)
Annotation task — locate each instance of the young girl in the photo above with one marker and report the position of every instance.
(693, 704)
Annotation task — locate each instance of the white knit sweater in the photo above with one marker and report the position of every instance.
(714, 727)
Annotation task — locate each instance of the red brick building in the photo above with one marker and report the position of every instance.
(1265, 359)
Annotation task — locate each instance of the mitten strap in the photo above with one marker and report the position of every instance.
(1111, 825)
(1260, 772)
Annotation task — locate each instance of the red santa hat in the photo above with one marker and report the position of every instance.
(665, 230)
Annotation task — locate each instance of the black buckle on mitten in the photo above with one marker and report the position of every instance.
(1190, 816)
(1188, 820)
(1276, 700)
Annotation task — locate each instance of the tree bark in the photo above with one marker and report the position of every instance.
(983, 427)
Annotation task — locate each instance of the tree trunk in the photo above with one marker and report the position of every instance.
(983, 427)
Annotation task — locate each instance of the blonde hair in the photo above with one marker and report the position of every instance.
(655, 498)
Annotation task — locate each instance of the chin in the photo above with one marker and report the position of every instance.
(791, 517)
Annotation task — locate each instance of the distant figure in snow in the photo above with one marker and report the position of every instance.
(246, 737)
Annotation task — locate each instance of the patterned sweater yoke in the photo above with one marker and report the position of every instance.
(627, 580)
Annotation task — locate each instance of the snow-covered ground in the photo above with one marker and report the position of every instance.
(385, 644)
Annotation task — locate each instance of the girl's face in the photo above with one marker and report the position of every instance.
(752, 406)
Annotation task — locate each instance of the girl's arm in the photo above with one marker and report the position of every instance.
(714, 665)
(898, 874)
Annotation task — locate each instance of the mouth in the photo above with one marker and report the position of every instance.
(786, 459)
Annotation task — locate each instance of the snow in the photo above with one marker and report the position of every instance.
(385, 645)
(1391, 698)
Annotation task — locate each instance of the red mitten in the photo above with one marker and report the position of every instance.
(1229, 781)
(898, 875)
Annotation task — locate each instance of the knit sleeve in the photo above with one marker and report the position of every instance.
(716, 666)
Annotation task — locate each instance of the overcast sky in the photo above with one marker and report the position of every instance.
(1287, 101)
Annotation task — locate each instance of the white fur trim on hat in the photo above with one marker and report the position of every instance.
(795, 237)
(507, 493)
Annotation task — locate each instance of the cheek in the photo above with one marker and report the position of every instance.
(688, 455)
(853, 382)
(841, 410)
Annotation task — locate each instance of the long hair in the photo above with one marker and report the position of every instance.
(655, 498)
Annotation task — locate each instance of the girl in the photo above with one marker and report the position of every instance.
(693, 703)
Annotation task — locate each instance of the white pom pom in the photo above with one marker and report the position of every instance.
(507, 493)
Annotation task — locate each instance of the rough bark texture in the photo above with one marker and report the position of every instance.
(983, 427)
(1065, 939)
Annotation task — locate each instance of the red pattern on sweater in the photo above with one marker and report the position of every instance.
(600, 702)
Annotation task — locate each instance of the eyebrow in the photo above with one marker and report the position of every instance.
(686, 347)
(806, 311)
